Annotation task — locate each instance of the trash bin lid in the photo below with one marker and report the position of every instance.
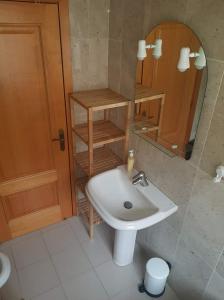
(157, 268)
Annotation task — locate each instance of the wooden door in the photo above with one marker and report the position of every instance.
(34, 170)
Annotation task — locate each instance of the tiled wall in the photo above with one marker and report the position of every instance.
(193, 238)
(89, 25)
(89, 21)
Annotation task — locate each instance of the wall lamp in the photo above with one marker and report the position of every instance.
(157, 49)
(186, 54)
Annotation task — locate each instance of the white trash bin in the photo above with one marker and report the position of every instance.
(157, 271)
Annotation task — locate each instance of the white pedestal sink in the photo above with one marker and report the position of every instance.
(5, 269)
(109, 191)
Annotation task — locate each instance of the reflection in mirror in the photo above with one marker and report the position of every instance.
(170, 88)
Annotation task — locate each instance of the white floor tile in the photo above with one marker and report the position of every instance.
(79, 228)
(140, 260)
(54, 294)
(38, 278)
(115, 279)
(169, 294)
(85, 287)
(25, 237)
(107, 235)
(7, 250)
(53, 226)
(131, 293)
(11, 290)
(71, 262)
(29, 251)
(74, 255)
(59, 238)
(96, 251)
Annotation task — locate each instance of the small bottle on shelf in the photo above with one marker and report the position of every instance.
(131, 161)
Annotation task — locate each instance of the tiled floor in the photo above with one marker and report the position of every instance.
(61, 263)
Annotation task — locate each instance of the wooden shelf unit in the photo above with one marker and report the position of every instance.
(104, 132)
(103, 159)
(97, 135)
(146, 94)
(84, 210)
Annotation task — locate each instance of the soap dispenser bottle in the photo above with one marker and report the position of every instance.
(131, 161)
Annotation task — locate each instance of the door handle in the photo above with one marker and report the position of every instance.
(60, 139)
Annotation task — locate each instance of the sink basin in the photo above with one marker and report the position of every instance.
(5, 269)
(127, 208)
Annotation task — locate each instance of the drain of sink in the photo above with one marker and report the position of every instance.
(128, 204)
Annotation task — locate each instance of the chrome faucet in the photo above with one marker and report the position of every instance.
(140, 178)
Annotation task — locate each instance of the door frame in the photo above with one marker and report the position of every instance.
(64, 24)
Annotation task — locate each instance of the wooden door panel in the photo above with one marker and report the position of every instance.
(23, 203)
(35, 220)
(34, 171)
(23, 107)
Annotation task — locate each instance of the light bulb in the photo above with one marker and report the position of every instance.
(141, 50)
(184, 60)
(200, 61)
(157, 50)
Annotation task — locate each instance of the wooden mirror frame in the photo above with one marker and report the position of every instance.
(151, 84)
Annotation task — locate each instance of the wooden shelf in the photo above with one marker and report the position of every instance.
(104, 132)
(84, 211)
(96, 134)
(144, 126)
(81, 183)
(103, 159)
(144, 93)
(99, 99)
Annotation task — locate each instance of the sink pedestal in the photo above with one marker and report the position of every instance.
(124, 246)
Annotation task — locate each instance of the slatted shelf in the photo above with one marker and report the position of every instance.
(104, 132)
(84, 211)
(81, 183)
(103, 159)
(144, 93)
(99, 99)
(144, 126)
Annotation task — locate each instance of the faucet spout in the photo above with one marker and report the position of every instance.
(140, 178)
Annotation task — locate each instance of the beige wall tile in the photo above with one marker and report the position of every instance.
(79, 18)
(132, 19)
(220, 265)
(99, 19)
(176, 220)
(114, 64)
(116, 19)
(128, 68)
(147, 21)
(190, 274)
(205, 17)
(161, 239)
(215, 289)
(219, 108)
(204, 222)
(89, 22)
(80, 54)
(98, 63)
(213, 154)
(158, 11)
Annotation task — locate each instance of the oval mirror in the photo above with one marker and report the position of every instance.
(171, 79)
